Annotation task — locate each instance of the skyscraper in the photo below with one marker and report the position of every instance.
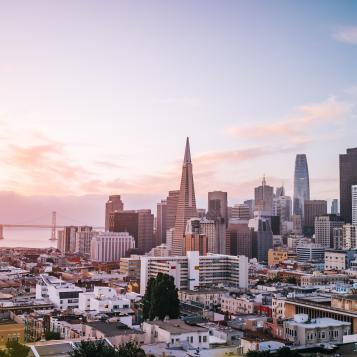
(145, 230)
(324, 226)
(161, 220)
(348, 177)
(354, 204)
(334, 206)
(313, 209)
(113, 204)
(186, 207)
(264, 198)
(125, 221)
(172, 202)
(218, 206)
(301, 184)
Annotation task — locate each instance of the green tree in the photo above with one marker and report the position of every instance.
(15, 349)
(100, 348)
(161, 298)
(291, 280)
(52, 335)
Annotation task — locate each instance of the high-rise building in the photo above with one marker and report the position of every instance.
(125, 221)
(145, 231)
(172, 202)
(334, 206)
(251, 205)
(209, 228)
(301, 184)
(67, 242)
(324, 226)
(348, 178)
(313, 209)
(282, 209)
(161, 221)
(186, 207)
(111, 246)
(218, 206)
(354, 204)
(280, 191)
(349, 236)
(241, 211)
(194, 240)
(113, 204)
(241, 240)
(262, 237)
(310, 253)
(83, 241)
(264, 198)
(201, 212)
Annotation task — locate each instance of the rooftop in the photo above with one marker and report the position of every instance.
(177, 326)
(110, 329)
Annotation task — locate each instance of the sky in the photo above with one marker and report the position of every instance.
(97, 96)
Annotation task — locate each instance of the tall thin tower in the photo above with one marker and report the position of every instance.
(186, 207)
(301, 184)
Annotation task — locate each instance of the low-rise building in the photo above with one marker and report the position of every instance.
(237, 305)
(176, 333)
(304, 331)
(206, 298)
(11, 328)
(277, 256)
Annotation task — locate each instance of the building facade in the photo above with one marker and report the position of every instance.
(113, 204)
(301, 184)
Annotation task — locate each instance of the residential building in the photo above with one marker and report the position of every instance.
(131, 267)
(237, 305)
(111, 246)
(277, 256)
(324, 229)
(193, 271)
(303, 331)
(83, 241)
(176, 334)
(318, 279)
(337, 238)
(114, 204)
(206, 298)
(349, 236)
(313, 209)
(67, 238)
(186, 207)
(301, 185)
(348, 178)
(12, 327)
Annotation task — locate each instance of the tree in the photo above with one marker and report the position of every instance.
(15, 349)
(161, 298)
(281, 352)
(291, 280)
(100, 348)
(52, 335)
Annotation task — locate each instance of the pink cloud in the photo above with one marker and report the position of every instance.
(296, 127)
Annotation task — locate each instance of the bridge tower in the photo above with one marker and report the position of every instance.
(1, 231)
(53, 228)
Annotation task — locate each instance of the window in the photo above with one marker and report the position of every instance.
(191, 339)
(199, 339)
(204, 338)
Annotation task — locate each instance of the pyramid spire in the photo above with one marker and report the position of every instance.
(187, 158)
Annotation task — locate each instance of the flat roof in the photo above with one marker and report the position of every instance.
(177, 326)
(110, 329)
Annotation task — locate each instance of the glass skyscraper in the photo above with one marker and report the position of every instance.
(301, 184)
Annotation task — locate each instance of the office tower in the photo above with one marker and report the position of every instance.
(348, 177)
(241, 240)
(241, 211)
(251, 205)
(334, 206)
(161, 221)
(125, 221)
(324, 229)
(194, 240)
(297, 224)
(301, 185)
(313, 209)
(145, 231)
(83, 241)
(275, 225)
(264, 198)
(113, 204)
(337, 238)
(169, 238)
(111, 246)
(201, 212)
(172, 202)
(349, 236)
(282, 208)
(280, 191)
(262, 237)
(354, 204)
(186, 207)
(67, 238)
(310, 253)
(209, 228)
(218, 206)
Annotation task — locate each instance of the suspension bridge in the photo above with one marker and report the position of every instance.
(53, 226)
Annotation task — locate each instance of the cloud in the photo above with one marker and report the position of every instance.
(296, 127)
(346, 34)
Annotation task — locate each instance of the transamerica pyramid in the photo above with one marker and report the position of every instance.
(186, 207)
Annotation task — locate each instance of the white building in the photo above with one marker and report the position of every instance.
(349, 236)
(335, 260)
(111, 246)
(63, 295)
(106, 300)
(310, 253)
(176, 333)
(324, 229)
(193, 271)
(303, 332)
(237, 305)
(354, 204)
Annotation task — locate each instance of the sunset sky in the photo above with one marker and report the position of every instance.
(97, 97)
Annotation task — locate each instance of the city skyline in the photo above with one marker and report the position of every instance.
(64, 136)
